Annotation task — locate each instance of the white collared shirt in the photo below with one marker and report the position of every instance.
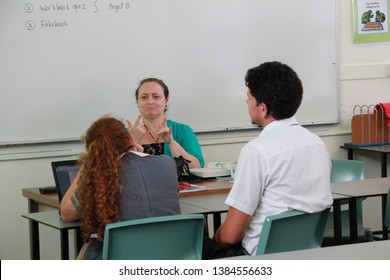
(286, 167)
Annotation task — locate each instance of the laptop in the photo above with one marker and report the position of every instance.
(64, 173)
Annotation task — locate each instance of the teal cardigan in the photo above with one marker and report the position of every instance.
(185, 136)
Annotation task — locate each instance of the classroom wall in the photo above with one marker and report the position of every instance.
(25, 166)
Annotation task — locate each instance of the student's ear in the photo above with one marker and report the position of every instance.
(262, 109)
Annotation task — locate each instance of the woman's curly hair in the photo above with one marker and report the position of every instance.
(99, 188)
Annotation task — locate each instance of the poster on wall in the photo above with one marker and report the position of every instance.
(371, 22)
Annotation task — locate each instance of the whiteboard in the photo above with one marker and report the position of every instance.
(64, 63)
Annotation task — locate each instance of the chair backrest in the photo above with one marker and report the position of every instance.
(292, 230)
(346, 170)
(175, 237)
(349, 170)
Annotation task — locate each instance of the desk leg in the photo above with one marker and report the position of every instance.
(32, 206)
(353, 231)
(385, 230)
(79, 240)
(206, 225)
(34, 232)
(34, 241)
(350, 154)
(383, 165)
(216, 220)
(64, 244)
(337, 222)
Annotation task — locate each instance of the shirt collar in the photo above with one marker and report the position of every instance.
(278, 124)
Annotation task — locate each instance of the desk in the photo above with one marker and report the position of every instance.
(338, 237)
(362, 188)
(35, 198)
(215, 204)
(212, 201)
(382, 150)
(53, 220)
(377, 250)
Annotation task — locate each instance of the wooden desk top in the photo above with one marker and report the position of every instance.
(213, 187)
(46, 199)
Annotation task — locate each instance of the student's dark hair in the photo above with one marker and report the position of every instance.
(278, 86)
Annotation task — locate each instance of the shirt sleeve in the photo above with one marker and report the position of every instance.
(249, 181)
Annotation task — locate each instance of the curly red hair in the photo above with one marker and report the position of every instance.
(99, 188)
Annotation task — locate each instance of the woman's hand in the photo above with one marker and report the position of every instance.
(176, 150)
(137, 148)
(138, 129)
(165, 133)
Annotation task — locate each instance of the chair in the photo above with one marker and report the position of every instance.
(347, 170)
(175, 237)
(292, 230)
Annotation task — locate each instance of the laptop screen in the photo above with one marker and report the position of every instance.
(64, 173)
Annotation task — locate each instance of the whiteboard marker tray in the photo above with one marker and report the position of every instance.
(210, 172)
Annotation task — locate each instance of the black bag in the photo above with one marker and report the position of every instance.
(183, 171)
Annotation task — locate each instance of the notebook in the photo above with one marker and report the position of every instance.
(64, 173)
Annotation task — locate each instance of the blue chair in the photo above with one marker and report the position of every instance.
(347, 170)
(175, 237)
(292, 230)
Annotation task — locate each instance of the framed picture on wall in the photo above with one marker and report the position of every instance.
(371, 21)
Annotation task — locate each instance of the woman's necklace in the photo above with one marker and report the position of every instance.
(155, 140)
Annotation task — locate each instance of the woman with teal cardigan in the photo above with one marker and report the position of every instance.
(156, 133)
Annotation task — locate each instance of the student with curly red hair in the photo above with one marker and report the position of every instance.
(117, 182)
